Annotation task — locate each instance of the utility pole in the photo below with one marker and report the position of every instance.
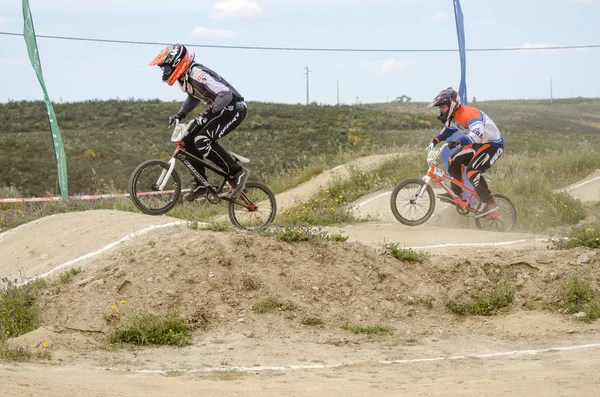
(550, 90)
(338, 92)
(306, 73)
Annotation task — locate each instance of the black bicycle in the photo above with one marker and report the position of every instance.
(155, 188)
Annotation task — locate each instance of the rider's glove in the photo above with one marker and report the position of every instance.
(202, 120)
(432, 144)
(174, 120)
(453, 144)
(204, 117)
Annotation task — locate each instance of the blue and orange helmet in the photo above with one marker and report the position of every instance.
(446, 97)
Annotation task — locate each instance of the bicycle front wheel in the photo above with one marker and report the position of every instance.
(502, 220)
(255, 208)
(144, 188)
(407, 206)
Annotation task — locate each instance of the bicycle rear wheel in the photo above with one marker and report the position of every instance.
(255, 208)
(502, 220)
(143, 188)
(407, 207)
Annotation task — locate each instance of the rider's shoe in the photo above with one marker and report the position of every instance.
(484, 209)
(238, 181)
(446, 198)
(196, 191)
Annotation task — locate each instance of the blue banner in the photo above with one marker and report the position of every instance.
(462, 89)
(460, 31)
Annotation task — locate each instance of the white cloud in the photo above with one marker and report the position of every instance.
(548, 47)
(201, 31)
(393, 65)
(235, 9)
(537, 45)
(484, 22)
(440, 16)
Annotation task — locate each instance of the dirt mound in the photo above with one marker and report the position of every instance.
(214, 280)
(40, 246)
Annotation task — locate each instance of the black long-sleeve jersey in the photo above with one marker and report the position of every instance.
(204, 85)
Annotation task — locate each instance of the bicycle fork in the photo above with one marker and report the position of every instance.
(421, 192)
(165, 175)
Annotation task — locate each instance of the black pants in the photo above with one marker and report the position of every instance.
(477, 158)
(202, 141)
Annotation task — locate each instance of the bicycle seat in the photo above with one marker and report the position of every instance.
(241, 159)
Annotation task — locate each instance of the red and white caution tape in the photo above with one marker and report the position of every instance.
(43, 199)
(85, 197)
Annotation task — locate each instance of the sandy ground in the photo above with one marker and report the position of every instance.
(587, 190)
(212, 278)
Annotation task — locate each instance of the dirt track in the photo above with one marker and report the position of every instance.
(273, 356)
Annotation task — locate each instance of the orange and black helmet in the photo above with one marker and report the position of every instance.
(174, 61)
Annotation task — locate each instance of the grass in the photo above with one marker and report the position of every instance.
(300, 138)
(486, 301)
(548, 146)
(67, 276)
(368, 330)
(577, 294)
(19, 308)
(251, 283)
(312, 321)
(323, 209)
(531, 181)
(580, 236)
(217, 227)
(295, 177)
(426, 302)
(303, 233)
(331, 206)
(271, 304)
(19, 314)
(23, 353)
(404, 254)
(149, 329)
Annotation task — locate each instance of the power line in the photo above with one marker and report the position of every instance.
(232, 47)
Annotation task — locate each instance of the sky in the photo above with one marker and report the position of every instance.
(79, 70)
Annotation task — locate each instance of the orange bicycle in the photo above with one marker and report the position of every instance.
(413, 199)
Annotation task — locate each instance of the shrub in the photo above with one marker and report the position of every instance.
(578, 295)
(498, 293)
(145, 329)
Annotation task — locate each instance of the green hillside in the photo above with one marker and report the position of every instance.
(105, 140)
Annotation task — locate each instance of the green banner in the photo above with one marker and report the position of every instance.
(34, 57)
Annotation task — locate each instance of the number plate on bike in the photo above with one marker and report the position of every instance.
(439, 172)
(179, 132)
